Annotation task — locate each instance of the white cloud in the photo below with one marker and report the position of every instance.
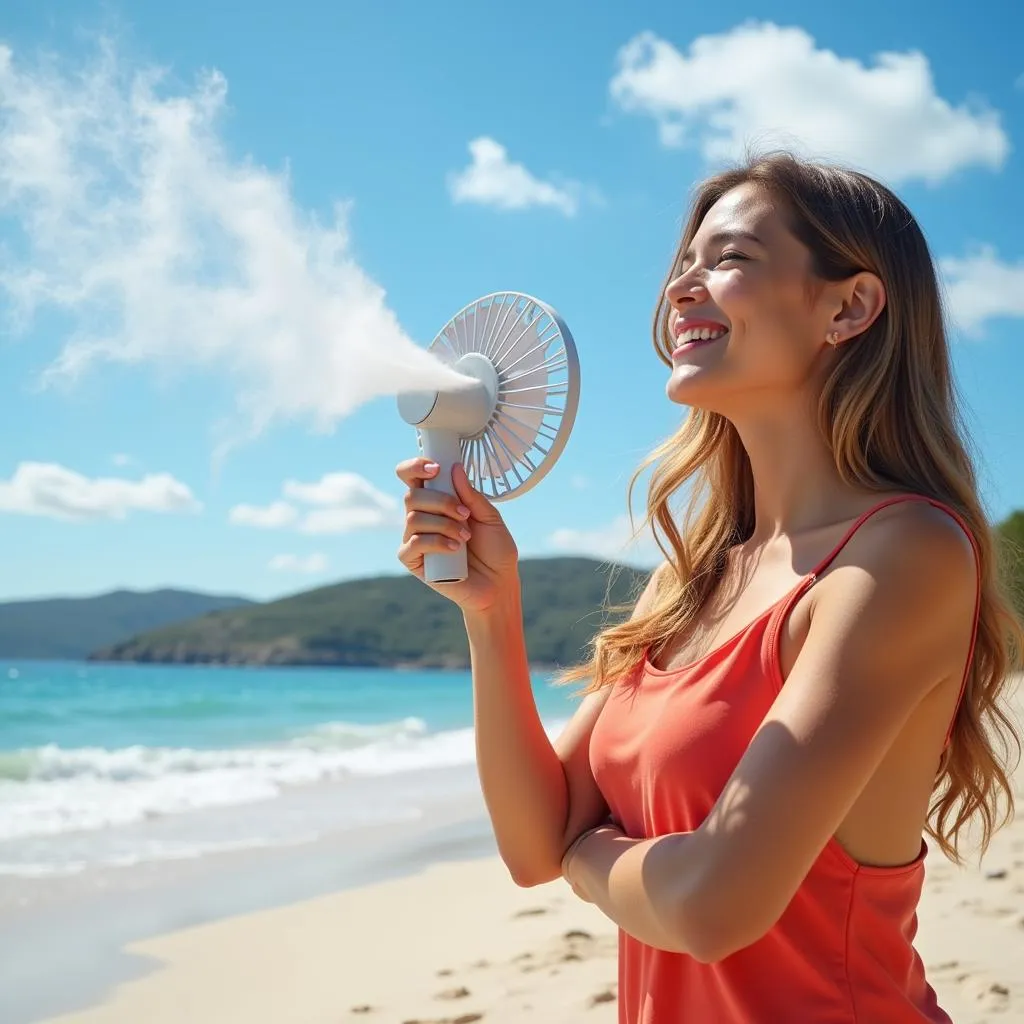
(491, 179)
(47, 489)
(136, 224)
(345, 502)
(342, 503)
(268, 517)
(307, 565)
(980, 287)
(613, 542)
(121, 459)
(766, 85)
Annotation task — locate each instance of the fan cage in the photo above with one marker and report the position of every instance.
(540, 385)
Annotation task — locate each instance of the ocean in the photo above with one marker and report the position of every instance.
(109, 765)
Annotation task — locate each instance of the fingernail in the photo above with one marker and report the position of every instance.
(465, 534)
(430, 467)
(463, 511)
(454, 545)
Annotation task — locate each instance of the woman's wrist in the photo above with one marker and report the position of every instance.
(574, 846)
(506, 608)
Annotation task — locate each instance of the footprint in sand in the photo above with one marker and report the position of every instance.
(575, 938)
(605, 996)
(465, 1018)
(531, 912)
(988, 995)
(453, 993)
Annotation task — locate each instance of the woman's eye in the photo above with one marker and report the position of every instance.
(731, 254)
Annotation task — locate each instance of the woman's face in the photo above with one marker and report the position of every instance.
(747, 330)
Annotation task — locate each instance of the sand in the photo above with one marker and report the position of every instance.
(459, 942)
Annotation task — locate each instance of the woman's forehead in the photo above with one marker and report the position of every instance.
(746, 208)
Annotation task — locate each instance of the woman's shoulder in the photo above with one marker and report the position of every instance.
(914, 535)
(910, 571)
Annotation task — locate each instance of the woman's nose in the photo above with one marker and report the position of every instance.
(687, 287)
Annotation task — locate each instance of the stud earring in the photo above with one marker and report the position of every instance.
(832, 338)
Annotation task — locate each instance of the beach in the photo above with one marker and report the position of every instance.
(398, 917)
(458, 942)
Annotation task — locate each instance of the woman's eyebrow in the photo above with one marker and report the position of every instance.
(724, 236)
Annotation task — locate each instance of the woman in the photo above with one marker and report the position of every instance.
(813, 677)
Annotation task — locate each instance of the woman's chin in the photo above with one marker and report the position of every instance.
(685, 386)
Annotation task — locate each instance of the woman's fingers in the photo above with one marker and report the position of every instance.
(425, 523)
(438, 503)
(412, 472)
(412, 550)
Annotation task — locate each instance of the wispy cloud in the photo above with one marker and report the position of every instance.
(981, 287)
(763, 84)
(492, 179)
(307, 565)
(138, 225)
(611, 541)
(336, 503)
(268, 517)
(47, 489)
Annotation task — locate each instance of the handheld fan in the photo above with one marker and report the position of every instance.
(510, 418)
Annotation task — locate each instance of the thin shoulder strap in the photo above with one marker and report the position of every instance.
(959, 520)
(873, 511)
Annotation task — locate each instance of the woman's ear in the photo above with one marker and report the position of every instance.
(862, 299)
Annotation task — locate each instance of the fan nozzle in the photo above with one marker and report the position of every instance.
(466, 408)
(444, 417)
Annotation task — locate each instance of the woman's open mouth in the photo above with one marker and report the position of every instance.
(692, 337)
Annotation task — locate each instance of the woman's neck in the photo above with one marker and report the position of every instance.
(797, 486)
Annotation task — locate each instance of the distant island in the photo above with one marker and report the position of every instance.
(383, 621)
(70, 628)
(390, 621)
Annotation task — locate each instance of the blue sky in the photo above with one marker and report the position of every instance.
(175, 248)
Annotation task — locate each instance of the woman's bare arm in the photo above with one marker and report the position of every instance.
(539, 795)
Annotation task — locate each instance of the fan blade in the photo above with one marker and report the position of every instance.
(525, 358)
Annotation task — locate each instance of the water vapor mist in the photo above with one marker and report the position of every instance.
(141, 232)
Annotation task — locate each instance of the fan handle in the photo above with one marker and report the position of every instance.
(444, 448)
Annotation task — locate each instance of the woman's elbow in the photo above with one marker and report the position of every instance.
(528, 872)
(528, 877)
(710, 932)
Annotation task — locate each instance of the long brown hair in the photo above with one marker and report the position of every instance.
(890, 415)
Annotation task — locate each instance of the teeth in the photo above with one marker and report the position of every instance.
(701, 334)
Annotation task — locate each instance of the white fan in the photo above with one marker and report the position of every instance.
(510, 419)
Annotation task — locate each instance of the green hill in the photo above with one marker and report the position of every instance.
(1011, 530)
(71, 627)
(390, 620)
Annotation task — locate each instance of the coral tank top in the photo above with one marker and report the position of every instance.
(843, 951)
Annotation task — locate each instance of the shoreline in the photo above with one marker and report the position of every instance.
(413, 921)
(85, 928)
(408, 951)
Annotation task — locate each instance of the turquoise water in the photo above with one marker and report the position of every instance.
(121, 763)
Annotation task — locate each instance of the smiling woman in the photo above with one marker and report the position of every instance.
(814, 676)
(818, 672)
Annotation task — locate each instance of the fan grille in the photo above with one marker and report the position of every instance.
(538, 388)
